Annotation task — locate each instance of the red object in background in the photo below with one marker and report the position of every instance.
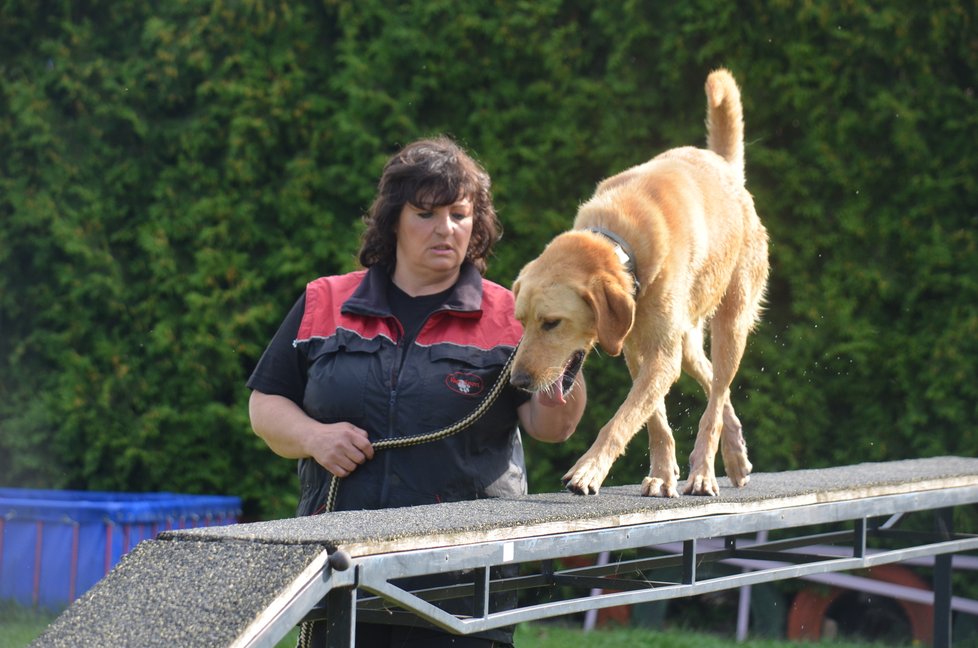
(807, 616)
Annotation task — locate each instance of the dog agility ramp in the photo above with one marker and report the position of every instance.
(248, 584)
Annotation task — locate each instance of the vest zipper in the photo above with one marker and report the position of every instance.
(391, 414)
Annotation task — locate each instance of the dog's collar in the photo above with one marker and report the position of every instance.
(622, 250)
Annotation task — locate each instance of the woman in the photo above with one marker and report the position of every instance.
(407, 346)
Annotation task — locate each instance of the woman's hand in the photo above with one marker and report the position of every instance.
(551, 418)
(293, 434)
(338, 447)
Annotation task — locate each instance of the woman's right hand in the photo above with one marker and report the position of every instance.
(338, 447)
(293, 434)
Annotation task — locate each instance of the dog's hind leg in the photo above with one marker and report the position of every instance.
(728, 337)
(733, 448)
(732, 444)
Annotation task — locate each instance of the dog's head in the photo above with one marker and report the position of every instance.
(571, 297)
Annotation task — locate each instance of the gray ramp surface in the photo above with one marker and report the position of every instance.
(184, 593)
(203, 587)
(365, 532)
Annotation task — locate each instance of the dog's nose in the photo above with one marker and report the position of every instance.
(520, 379)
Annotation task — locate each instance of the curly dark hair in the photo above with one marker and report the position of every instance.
(429, 173)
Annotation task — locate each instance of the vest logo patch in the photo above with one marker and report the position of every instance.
(464, 383)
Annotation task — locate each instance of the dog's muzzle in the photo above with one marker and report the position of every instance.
(523, 380)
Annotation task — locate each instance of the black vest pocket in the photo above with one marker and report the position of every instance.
(337, 376)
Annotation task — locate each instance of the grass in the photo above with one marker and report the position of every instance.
(19, 626)
(556, 636)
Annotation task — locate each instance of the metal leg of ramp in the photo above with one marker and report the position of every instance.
(944, 525)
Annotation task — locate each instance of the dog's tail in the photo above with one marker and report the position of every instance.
(725, 119)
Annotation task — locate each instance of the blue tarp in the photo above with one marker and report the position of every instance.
(54, 545)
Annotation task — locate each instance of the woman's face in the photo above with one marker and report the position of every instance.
(431, 246)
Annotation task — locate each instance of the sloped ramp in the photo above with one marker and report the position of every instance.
(214, 586)
(179, 592)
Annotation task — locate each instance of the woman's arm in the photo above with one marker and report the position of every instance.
(291, 433)
(552, 419)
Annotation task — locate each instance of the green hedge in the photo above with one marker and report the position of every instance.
(173, 175)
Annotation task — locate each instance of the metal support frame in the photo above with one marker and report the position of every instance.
(341, 628)
(944, 529)
(368, 590)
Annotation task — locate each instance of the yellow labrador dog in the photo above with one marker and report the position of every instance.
(658, 252)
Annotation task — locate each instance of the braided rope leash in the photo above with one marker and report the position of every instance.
(437, 435)
(306, 627)
(305, 634)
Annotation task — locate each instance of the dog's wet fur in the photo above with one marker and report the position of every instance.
(700, 257)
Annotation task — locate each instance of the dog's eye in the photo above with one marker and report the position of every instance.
(549, 325)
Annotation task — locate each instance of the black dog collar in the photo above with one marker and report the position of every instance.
(622, 250)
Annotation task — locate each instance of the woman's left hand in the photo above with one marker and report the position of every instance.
(553, 417)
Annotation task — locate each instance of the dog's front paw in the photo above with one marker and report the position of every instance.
(585, 477)
(703, 483)
(655, 487)
(577, 489)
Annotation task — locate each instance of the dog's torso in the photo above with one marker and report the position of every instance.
(686, 233)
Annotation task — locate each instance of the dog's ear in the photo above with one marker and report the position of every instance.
(614, 313)
(516, 287)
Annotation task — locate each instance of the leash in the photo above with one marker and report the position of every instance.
(437, 435)
(306, 627)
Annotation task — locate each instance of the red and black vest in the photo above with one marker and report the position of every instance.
(360, 370)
